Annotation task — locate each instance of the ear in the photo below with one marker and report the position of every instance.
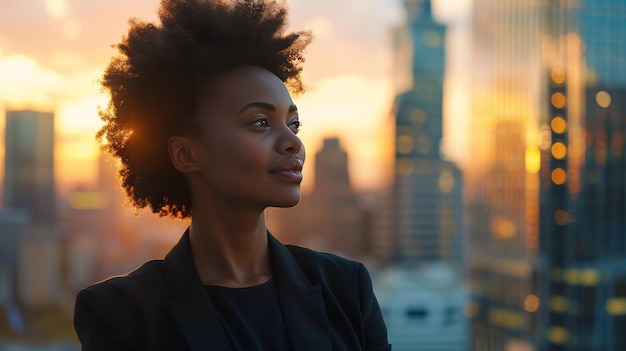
(183, 154)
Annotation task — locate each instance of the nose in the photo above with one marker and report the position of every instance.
(289, 142)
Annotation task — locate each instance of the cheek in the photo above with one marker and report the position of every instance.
(248, 155)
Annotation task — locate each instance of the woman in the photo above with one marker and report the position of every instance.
(204, 126)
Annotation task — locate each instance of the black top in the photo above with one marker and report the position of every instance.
(251, 317)
(327, 304)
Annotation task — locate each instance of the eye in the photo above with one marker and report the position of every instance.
(295, 126)
(260, 123)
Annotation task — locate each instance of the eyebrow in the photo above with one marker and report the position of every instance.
(265, 106)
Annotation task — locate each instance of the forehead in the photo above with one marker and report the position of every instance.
(239, 86)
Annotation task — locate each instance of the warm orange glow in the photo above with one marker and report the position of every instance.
(533, 159)
(558, 100)
(558, 124)
(502, 227)
(603, 99)
(350, 101)
(557, 75)
(531, 303)
(558, 150)
(335, 106)
(89, 200)
(558, 176)
(446, 182)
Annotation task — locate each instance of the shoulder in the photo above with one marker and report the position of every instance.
(329, 268)
(108, 315)
(320, 260)
(130, 286)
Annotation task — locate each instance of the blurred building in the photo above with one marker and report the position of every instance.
(419, 229)
(29, 191)
(334, 211)
(29, 165)
(424, 218)
(12, 223)
(32, 252)
(583, 179)
(502, 180)
(545, 190)
(39, 265)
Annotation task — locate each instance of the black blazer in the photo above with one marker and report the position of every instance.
(327, 303)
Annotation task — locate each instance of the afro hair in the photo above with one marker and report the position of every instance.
(155, 81)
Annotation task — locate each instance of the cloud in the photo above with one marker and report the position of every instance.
(26, 83)
(23, 82)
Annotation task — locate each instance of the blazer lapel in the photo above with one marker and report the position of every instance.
(302, 303)
(191, 307)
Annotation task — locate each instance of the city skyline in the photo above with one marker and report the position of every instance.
(52, 53)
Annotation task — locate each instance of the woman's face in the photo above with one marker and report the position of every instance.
(250, 153)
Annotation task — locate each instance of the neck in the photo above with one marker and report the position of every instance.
(230, 249)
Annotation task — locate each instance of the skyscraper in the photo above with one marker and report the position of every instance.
(29, 165)
(546, 188)
(503, 181)
(419, 227)
(583, 192)
(29, 190)
(426, 220)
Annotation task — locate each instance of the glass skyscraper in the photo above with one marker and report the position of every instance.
(546, 188)
(29, 165)
(427, 219)
(583, 223)
(421, 228)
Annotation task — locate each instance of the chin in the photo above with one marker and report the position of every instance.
(285, 205)
(287, 201)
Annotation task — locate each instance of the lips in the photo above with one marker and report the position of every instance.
(290, 171)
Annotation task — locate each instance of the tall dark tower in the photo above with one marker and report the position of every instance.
(427, 220)
(583, 192)
(29, 165)
(546, 189)
(419, 226)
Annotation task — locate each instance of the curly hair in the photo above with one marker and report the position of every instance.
(157, 78)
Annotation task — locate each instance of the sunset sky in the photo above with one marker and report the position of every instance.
(52, 52)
